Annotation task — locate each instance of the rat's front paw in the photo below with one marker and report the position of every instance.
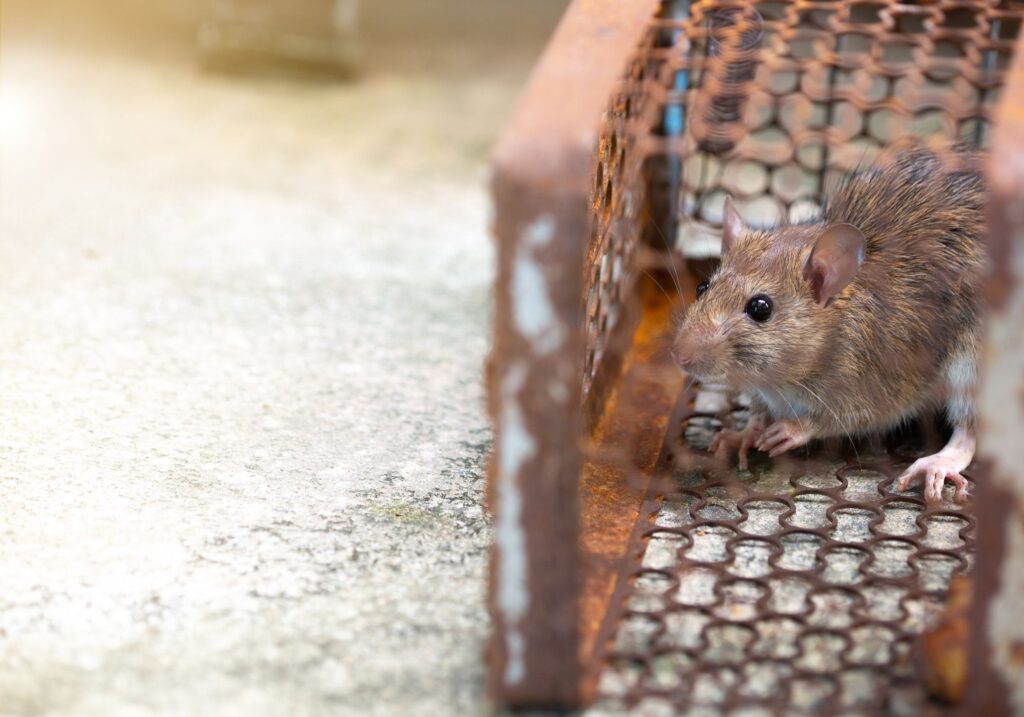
(727, 440)
(783, 436)
(935, 470)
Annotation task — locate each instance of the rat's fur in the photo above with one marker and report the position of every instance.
(900, 338)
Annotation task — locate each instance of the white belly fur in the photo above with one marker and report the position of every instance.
(782, 404)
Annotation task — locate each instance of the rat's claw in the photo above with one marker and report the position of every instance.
(782, 436)
(746, 443)
(726, 440)
(781, 448)
(962, 489)
(934, 470)
(933, 485)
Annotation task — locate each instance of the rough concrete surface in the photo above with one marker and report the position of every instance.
(242, 440)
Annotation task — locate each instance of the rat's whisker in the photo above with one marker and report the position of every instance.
(670, 263)
(792, 410)
(657, 283)
(834, 415)
(674, 273)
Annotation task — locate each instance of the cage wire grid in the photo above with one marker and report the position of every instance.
(796, 590)
(799, 588)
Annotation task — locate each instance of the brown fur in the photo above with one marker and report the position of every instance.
(880, 352)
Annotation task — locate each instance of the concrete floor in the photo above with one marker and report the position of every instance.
(241, 429)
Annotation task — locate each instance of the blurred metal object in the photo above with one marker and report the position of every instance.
(784, 99)
(995, 684)
(944, 645)
(565, 184)
(734, 38)
(312, 32)
(663, 170)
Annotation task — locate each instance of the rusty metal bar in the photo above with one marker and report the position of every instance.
(542, 186)
(622, 463)
(996, 655)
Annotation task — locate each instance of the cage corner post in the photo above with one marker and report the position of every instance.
(996, 652)
(541, 180)
(534, 570)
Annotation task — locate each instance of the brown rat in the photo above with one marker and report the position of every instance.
(857, 322)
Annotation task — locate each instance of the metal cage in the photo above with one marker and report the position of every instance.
(608, 188)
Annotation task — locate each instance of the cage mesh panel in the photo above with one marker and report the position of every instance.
(787, 592)
(776, 100)
(616, 197)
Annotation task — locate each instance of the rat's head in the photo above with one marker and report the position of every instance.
(762, 318)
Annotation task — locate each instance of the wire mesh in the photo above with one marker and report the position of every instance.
(799, 589)
(777, 100)
(616, 196)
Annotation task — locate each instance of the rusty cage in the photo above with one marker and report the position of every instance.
(625, 569)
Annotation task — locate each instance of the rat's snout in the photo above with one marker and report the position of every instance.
(684, 353)
(696, 347)
(687, 349)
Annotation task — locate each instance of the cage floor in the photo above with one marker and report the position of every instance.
(797, 588)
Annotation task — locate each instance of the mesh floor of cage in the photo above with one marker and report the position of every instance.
(797, 588)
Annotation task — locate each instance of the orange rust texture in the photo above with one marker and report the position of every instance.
(623, 452)
(1005, 173)
(541, 184)
(945, 645)
(997, 503)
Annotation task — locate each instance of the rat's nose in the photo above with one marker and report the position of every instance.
(684, 354)
(688, 349)
(683, 359)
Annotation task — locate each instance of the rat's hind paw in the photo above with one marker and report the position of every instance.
(726, 441)
(935, 470)
(782, 436)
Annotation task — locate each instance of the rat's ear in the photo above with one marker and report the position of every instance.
(834, 261)
(732, 225)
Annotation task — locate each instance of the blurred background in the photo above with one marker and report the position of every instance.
(245, 272)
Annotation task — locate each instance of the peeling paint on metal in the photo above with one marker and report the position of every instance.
(515, 448)
(558, 392)
(1004, 360)
(1001, 421)
(534, 315)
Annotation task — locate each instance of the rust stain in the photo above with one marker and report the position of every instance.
(945, 646)
(989, 691)
(624, 448)
(1017, 653)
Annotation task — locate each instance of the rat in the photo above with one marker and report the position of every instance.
(856, 322)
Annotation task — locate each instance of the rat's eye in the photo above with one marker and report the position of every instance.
(701, 288)
(759, 308)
